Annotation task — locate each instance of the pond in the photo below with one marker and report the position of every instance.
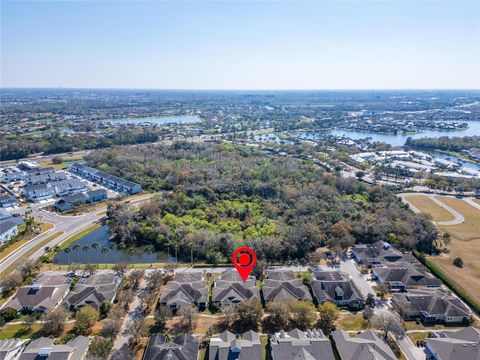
(161, 120)
(112, 256)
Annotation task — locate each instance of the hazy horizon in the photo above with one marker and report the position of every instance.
(266, 46)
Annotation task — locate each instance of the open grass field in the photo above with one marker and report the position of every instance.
(428, 206)
(465, 243)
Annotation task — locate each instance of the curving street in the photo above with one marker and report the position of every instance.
(69, 225)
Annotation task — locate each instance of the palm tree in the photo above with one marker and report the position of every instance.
(113, 246)
(131, 251)
(149, 249)
(95, 246)
(67, 251)
(75, 247)
(104, 251)
(57, 249)
(86, 248)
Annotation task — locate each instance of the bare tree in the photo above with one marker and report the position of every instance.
(188, 318)
(136, 329)
(388, 322)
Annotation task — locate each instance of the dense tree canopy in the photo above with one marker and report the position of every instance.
(217, 197)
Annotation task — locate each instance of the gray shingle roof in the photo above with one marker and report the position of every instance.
(93, 291)
(182, 347)
(407, 275)
(365, 346)
(283, 286)
(232, 289)
(463, 344)
(227, 346)
(38, 297)
(297, 344)
(75, 349)
(179, 291)
(432, 302)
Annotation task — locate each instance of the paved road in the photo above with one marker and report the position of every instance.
(458, 218)
(472, 202)
(68, 224)
(409, 349)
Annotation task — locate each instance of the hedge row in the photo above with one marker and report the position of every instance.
(461, 293)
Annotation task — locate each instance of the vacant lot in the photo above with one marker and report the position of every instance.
(470, 229)
(464, 244)
(428, 206)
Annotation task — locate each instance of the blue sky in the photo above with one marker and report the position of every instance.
(241, 45)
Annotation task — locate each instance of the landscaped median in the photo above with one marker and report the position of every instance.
(44, 227)
(29, 253)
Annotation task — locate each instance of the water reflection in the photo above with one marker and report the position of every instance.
(96, 248)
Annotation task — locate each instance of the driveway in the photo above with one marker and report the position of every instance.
(357, 277)
(409, 349)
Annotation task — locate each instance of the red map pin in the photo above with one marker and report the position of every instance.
(244, 260)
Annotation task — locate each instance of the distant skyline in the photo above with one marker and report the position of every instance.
(241, 45)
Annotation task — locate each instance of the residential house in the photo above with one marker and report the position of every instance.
(96, 195)
(8, 229)
(40, 171)
(182, 347)
(185, 289)
(6, 216)
(10, 176)
(365, 346)
(44, 348)
(284, 286)
(336, 287)
(226, 346)
(379, 253)
(68, 186)
(38, 192)
(454, 345)
(44, 294)
(403, 276)
(70, 201)
(45, 178)
(11, 349)
(297, 344)
(8, 201)
(431, 307)
(111, 181)
(230, 289)
(93, 290)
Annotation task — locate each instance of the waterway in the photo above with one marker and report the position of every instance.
(162, 120)
(114, 255)
(400, 139)
(392, 139)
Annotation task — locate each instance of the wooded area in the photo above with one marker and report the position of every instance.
(221, 197)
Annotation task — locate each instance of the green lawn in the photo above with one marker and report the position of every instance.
(18, 331)
(78, 235)
(418, 336)
(352, 322)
